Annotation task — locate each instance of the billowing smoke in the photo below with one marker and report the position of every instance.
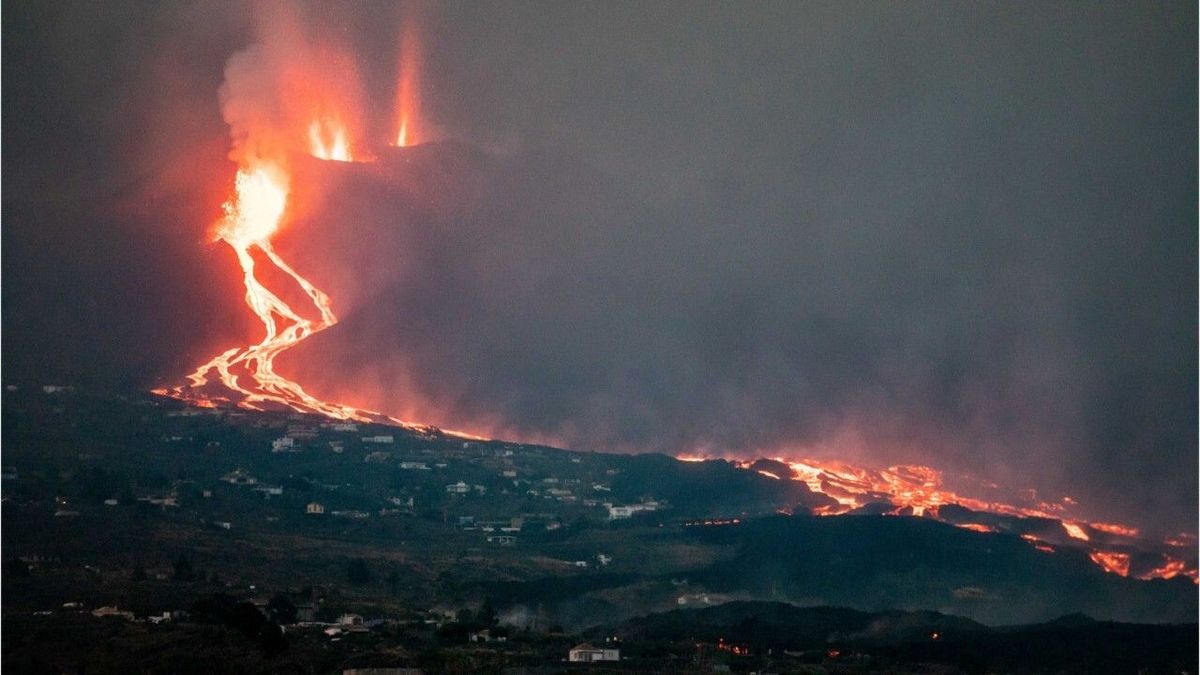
(962, 237)
(290, 81)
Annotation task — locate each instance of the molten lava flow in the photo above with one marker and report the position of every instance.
(920, 491)
(1117, 563)
(1074, 531)
(1170, 570)
(1038, 543)
(1113, 528)
(252, 216)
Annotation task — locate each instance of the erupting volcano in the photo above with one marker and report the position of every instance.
(306, 113)
(287, 96)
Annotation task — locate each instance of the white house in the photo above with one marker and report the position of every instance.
(459, 488)
(113, 612)
(616, 512)
(314, 508)
(585, 653)
(239, 477)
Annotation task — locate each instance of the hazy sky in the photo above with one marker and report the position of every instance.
(959, 233)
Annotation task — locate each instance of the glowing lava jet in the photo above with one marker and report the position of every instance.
(327, 140)
(408, 81)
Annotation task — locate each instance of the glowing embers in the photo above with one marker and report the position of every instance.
(327, 139)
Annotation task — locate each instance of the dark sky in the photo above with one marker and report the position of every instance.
(955, 233)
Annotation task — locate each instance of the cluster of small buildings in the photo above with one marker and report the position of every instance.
(586, 653)
(628, 511)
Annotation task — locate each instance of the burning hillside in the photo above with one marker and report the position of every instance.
(338, 218)
(921, 491)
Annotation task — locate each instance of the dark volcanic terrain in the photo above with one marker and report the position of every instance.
(230, 520)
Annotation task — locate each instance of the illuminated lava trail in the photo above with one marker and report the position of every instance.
(283, 96)
(251, 217)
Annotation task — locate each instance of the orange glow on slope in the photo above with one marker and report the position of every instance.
(1113, 528)
(1170, 570)
(408, 82)
(1038, 543)
(1117, 563)
(1182, 540)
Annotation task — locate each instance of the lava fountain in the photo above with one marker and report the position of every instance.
(408, 81)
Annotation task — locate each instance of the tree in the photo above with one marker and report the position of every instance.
(139, 572)
(127, 497)
(15, 567)
(487, 614)
(183, 569)
(271, 639)
(393, 581)
(357, 572)
(282, 609)
(246, 619)
(94, 486)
